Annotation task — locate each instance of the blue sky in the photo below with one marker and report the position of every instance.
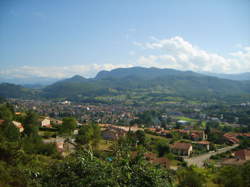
(60, 38)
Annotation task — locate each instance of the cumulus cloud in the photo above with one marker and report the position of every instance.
(180, 54)
(58, 72)
(175, 53)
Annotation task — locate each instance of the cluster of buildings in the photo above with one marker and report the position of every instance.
(194, 135)
(100, 113)
(113, 132)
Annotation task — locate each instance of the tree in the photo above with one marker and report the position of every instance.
(68, 126)
(230, 176)
(207, 130)
(213, 124)
(246, 174)
(162, 149)
(11, 132)
(5, 113)
(244, 143)
(84, 169)
(89, 135)
(141, 137)
(31, 124)
(188, 177)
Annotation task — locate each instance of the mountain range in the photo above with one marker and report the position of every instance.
(136, 82)
(239, 77)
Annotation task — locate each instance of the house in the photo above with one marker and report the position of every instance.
(152, 158)
(240, 158)
(162, 161)
(59, 146)
(203, 145)
(231, 138)
(179, 148)
(243, 154)
(18, 125)
(113, 134)
(198, 135)
(46, 122)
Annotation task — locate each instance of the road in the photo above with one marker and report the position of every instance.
(199, 160)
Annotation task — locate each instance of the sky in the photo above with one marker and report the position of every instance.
(62, 38)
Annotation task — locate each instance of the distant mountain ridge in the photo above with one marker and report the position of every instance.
(140, 72)
(152, 82)
(240, 76)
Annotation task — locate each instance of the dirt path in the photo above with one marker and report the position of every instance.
(199, 160)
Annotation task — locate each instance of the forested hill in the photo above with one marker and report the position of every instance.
(143, 73)
(8, 90)
(138, 81)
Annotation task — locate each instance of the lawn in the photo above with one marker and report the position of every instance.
(203, 124)
(104, 145)
(157, 137)
(185, 118)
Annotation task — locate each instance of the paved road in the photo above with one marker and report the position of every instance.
(199, 160)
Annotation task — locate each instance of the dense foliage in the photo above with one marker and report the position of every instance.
(25, 160)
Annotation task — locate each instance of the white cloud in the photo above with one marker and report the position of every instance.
(173, 53)
(180, 54)
(58, 72)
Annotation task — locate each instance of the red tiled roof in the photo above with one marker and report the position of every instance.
(231, 137)
(152, 157)
(179, 145)
(151, 129)
(242, 154)
(162, 161)
(1, 121)
(204, 142)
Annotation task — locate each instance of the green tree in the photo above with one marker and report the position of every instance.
(84, 169)
(5, 113)
(68, 126)
(141, 137)
(244, 143)
(10, 131)
(89, 135)
(31, 124)
(245, 170)
(188, 177)
(207, 130)
(230, 176)
(162, 149)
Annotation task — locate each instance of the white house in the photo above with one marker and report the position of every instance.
(18, 125)
(46, 122)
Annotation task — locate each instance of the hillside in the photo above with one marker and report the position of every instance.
(239, 77)
(8, 90)
(143, 73)
(153, 82)
(137, 84)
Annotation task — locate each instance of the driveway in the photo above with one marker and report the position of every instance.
(199, 160)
